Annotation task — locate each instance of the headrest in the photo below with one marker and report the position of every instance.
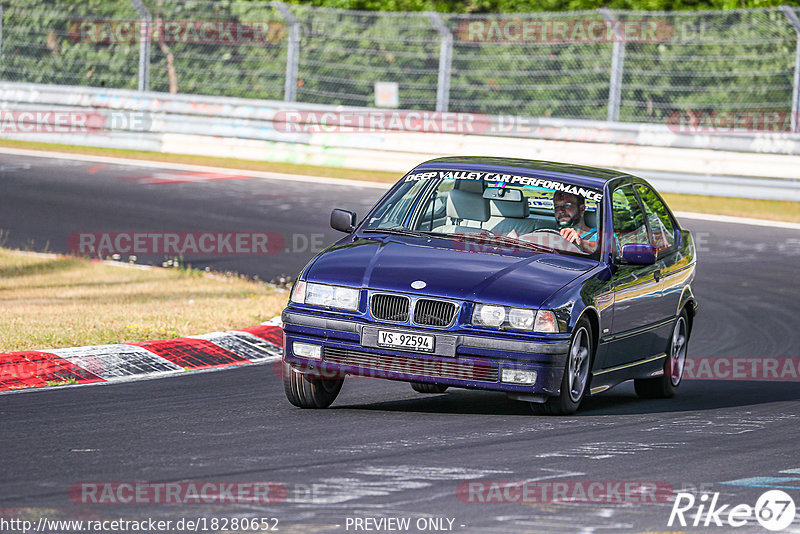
(470, 186)
(590, 217)
(463, 205)
(509, 208)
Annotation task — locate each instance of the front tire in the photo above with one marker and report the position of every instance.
(422, 387)
(576, 375)
(665, 386)
(306, 391)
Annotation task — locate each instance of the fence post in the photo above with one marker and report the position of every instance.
(144, 44)
(795, 22)
(617, 65)
(292, 51)
(445, 61)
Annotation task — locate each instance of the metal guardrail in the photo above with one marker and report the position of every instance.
(750, 165)
(722, 186)
(254, 119)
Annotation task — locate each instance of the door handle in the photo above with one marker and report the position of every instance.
(657, 275)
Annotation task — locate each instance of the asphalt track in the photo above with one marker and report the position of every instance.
(382, 450)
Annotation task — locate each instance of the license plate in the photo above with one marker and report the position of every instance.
(402, 340)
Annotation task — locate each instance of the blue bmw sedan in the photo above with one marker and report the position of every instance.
(548, 281)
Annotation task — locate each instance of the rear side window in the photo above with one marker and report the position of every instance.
(661, 226)
(628, 219)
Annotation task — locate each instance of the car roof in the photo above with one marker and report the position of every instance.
(578, 174)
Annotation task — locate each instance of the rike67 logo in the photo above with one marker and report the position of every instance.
(774, 510)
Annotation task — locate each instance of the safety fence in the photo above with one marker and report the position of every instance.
(738, 67)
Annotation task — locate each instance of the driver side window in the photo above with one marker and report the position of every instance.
(628, 219)
(660, 223)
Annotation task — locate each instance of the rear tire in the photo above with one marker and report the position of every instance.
(422, 387)
(306, 391)
(577, 372)
(665, 386)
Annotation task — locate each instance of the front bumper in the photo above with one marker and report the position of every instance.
(466, 360)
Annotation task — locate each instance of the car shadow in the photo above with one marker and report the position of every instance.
(693, 396)
(453, 401)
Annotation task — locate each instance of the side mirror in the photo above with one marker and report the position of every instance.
(343, 220)
(636, 254)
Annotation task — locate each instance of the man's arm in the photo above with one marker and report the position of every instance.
(587, 241)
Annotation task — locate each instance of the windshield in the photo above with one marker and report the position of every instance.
(525, 212)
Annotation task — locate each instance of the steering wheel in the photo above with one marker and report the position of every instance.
(551, 238)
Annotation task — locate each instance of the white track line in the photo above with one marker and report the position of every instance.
(198, 168)
(332, 181)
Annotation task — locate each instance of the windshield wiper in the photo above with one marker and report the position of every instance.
(487, 238)
(482, 238)
(399, 230)
(512, 242)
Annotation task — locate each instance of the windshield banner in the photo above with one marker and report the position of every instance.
(545, 183)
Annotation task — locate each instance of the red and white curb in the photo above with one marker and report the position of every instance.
(128, 361)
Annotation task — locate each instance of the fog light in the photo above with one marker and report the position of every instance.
(307, 350)
(517, 376)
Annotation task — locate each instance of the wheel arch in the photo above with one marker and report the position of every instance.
(688, 303)
(591, 314)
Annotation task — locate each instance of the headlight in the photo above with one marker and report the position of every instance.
(488, 315)
(520, 318)
(514, 318)
(326, 295)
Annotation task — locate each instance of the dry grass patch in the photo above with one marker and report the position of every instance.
(774, 210)
(64, 302)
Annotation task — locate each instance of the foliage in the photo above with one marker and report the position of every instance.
(527, 6)
(731, 60)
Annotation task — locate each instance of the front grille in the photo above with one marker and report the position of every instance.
(434, 312)
(409, 365)
(390, 307)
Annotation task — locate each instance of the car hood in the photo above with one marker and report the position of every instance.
(393, 263)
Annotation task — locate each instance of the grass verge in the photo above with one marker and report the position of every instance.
(776, 210)
(65, 302)
(773, 210)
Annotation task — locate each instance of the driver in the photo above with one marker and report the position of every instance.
(568, 210)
